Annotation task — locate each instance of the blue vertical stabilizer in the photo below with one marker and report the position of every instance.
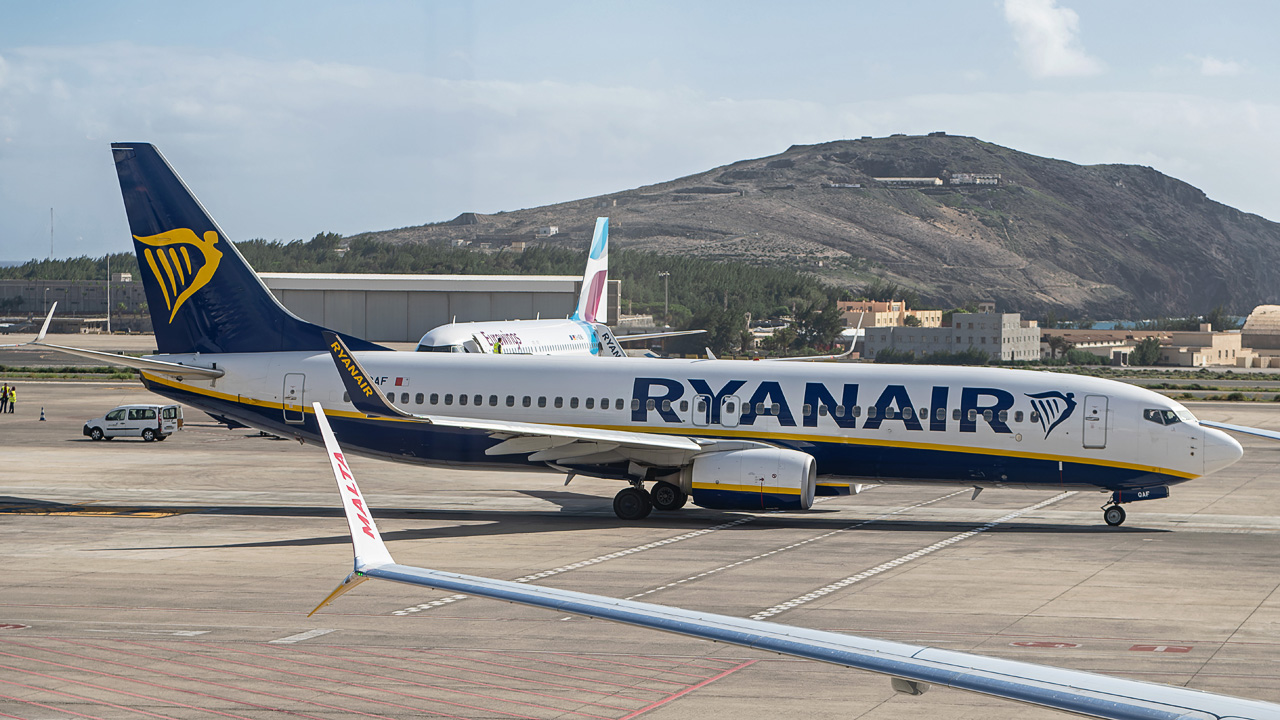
(202, 295)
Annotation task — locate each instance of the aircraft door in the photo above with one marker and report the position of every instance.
(700, 413)
(730, 410)
(1095, 421)
(292, 398)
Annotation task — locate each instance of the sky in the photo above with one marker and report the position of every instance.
(288, 119)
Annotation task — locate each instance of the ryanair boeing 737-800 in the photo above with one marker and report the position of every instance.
(724, 434)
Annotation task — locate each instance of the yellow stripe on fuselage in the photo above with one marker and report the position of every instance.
(744, 434)
(747, 488)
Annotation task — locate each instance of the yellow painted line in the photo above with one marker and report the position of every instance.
(744, 434)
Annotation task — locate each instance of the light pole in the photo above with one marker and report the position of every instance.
(666, 297)
(46, 301)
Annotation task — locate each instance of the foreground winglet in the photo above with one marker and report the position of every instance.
(369, 550)
(364, 395)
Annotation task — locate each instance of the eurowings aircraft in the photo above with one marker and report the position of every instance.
(582, 333)
(912, 669)
(725, 434)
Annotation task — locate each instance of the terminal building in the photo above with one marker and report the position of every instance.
(401, 308)
(1003, 336)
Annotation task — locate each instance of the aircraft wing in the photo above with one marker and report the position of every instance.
(160, 367)
(811, 358)
(911, 668)
(652, 336)
(1269, 434)
(550, 443)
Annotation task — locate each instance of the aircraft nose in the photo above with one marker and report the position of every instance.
(1220, 450)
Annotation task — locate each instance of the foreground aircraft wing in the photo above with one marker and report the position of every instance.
(811, 358)
(911, 668)
(160, 367)
(549, 442)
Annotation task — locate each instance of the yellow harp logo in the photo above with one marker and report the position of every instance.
(169, 257)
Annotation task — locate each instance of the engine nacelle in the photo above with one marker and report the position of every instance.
(754, 479)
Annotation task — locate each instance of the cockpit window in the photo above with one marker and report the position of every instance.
(1162, 417)
(441, 348)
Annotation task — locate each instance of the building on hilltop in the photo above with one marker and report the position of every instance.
(1003, 336)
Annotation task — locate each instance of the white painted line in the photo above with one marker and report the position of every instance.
(302, 636)
(792, 546)
(585, 563)
(179, 633)
(820, 592)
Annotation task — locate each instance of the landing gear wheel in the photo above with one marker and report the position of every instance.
(1114, 515)
(96, 433)
(148, 434)
(632, 504)
(667, 497)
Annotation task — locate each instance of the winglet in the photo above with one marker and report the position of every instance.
(45, 328)
(364, 395)
(369, 550)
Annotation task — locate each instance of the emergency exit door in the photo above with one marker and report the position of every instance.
(1095, 421)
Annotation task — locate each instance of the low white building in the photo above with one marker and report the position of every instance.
(1003, 336)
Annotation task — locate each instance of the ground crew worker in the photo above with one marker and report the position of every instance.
(497, 346)
(13, 397)
(4, 398)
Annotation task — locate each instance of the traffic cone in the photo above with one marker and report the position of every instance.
(42, 414)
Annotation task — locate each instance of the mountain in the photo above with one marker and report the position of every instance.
(1090, 240)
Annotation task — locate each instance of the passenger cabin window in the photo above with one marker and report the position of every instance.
(493, 401)
(391, 397)
(346, 397)
(477, 400)
(591, 403)
(511, 401)
(462, 399)
(542, 401)
(1017, 416)
(573, 402)
(404, 398)
(559, 402)
(527, 401)
(1161, 417)
(417, 399)
(435, 398)
(448, 398)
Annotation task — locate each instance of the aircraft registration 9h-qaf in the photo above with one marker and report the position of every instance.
(912, 669)
(725, 434)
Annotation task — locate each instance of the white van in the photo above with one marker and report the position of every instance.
(149, 422)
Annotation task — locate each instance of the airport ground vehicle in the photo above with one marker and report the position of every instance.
(149, 422)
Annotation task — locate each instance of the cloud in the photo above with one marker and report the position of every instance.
(287, 149)
(1046, 37)
(1213, 67)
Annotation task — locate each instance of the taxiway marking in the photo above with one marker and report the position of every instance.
(841, 584)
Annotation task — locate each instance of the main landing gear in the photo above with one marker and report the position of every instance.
(633, 503)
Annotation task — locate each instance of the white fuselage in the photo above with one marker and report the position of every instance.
(976, 426)
(515, 337)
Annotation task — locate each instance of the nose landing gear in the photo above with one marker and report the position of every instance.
(1113, 515)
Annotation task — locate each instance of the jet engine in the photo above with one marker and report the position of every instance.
(752, 479)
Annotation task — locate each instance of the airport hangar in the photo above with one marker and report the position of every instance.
(401, 308)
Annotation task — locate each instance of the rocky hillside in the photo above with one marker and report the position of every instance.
(1098, 240)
